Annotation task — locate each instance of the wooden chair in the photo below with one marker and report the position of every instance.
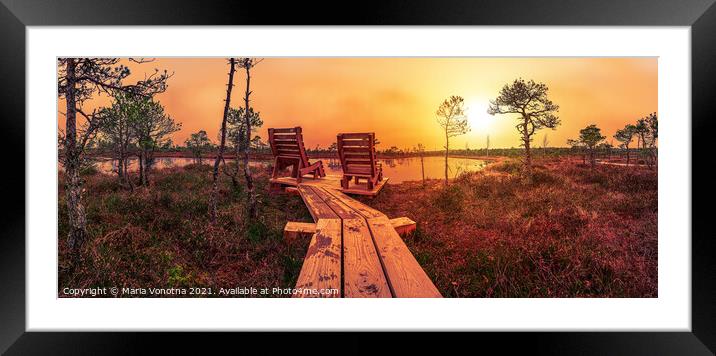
(288, 150)
(358, 159)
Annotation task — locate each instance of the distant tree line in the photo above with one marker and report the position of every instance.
(645, 131)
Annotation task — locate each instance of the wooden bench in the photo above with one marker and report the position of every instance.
(355, 250)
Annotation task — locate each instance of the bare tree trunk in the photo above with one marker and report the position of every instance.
(123, 165)
(148, 162)
(422, 168)
(124, 158)
(127, 176)
(237, 153)
(627, 152)
(120, 172)
(143, 160)
(447, 150)
(247, 170)
(76, 212)
(140, 167)
(222, 144)
(487, 146)
(528, 152)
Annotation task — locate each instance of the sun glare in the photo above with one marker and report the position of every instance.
(478, 117)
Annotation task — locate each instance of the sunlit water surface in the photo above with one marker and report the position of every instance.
(397, 169)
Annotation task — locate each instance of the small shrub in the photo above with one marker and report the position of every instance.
(509, 166)
(177, 278)
(543, 177)
(89, 170)
(257, 231)
(450, 199)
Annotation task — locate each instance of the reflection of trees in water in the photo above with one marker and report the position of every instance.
(464, 165)
(166, 162)
(398, 169)
(150, 162)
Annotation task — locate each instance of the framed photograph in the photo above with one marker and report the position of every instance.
(434, 167)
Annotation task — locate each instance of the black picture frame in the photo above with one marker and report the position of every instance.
(15, 16)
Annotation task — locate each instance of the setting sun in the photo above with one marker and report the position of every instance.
(478, 117)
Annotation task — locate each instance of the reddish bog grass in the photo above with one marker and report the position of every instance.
(570, 232)
(160, 237)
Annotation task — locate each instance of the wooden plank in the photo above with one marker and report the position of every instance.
(332, 182)
(316, 206)
(297, 230)
(403, 225)
(291, 130)
(363, 275)
(360, 208)
(358, 159)
(406, 277)
(292, 157)
(288, 152)
(285, 139)
(291, 145)
(364, 161)
(356, 149)
(342, 210)
(358, 169)
(322, 265)
(363, 142)
(289, 181)
(362, 189)
(349, 136)
(357, 153)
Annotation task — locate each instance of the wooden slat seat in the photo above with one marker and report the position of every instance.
(359, 170)
(358, 159)
(289, 151)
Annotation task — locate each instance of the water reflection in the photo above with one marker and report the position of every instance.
(409, 168)
(397, 169)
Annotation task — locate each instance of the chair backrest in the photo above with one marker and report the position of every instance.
(357, 152)
(288, 143)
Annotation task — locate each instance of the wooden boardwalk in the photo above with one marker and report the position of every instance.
(355, 249)
(333, 182)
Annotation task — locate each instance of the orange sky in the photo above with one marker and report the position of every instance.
(397, 97)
